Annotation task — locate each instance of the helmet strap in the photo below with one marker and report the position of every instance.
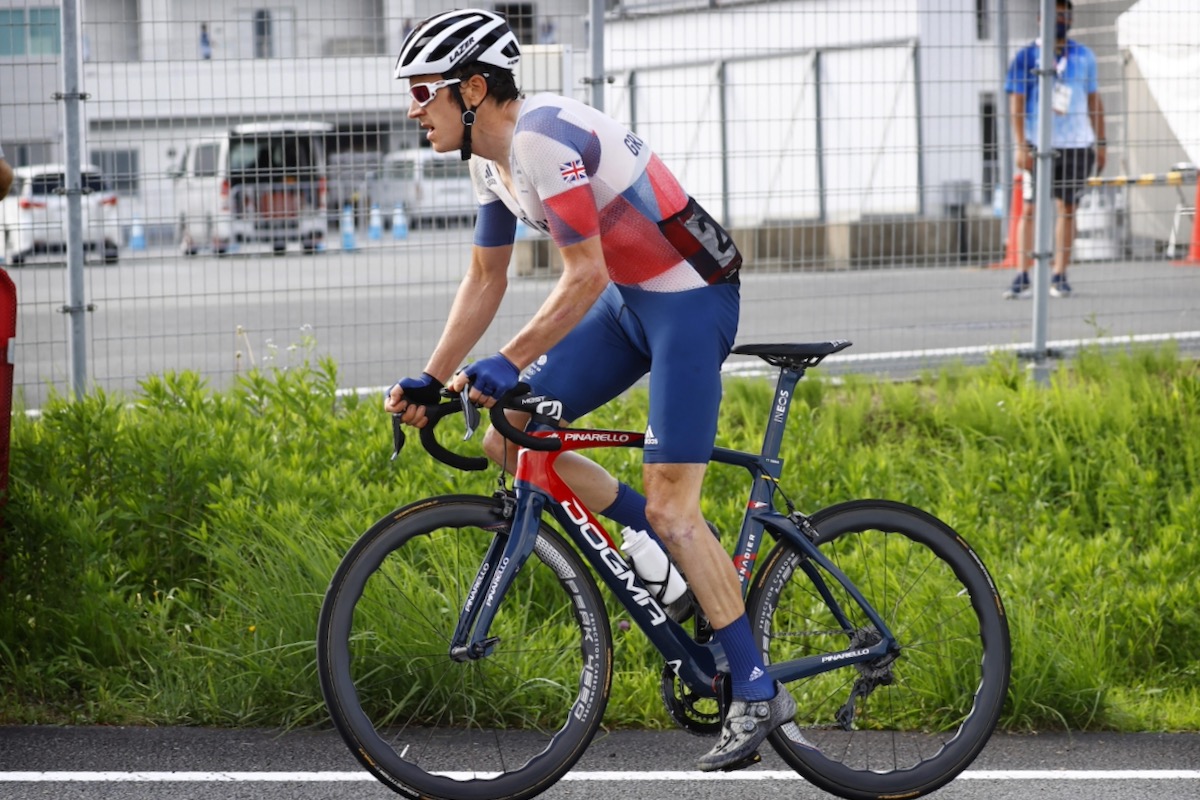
(468, 119)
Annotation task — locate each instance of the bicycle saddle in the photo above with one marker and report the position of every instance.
(795, 355)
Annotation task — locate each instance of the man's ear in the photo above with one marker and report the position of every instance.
(475, 90)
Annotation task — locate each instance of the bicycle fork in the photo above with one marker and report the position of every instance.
(510, 548)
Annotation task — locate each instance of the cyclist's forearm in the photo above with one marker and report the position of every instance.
(584, 278)
(475, 305)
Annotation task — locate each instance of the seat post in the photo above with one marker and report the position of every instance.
(785, 388)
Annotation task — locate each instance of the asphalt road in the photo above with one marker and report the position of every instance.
(133, 764)
(378, 311)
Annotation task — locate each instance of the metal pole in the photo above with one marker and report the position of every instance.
(596, 48)
(73, 132)
(1044, 217)
(723, 121)
(1005, 143)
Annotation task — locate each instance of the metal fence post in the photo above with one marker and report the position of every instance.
(596, 46)
(1044, 219)
(72, 98)
(1004, 128)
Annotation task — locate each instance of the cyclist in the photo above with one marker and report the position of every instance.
(649, 285)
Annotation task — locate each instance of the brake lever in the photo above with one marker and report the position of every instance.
(470, 413)
(397, 436)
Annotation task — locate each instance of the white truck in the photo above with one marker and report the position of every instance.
(260, 182)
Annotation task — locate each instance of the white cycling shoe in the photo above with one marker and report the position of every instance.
(745, 728)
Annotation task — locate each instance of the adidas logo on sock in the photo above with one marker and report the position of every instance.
(756, 673)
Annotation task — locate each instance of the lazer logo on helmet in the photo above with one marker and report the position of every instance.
(459, 51)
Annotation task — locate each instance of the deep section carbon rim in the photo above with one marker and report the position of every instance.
(905, 724)
(504, 726)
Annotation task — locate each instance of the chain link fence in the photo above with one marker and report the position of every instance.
(250, 191)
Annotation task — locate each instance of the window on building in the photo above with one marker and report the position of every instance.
(45, 38)
(990, 136)
(12, 33)
(32, 32)
(24, 154)
(521, 18)
(983, 25)
(263, 33)
(264, 46)
(120, 170)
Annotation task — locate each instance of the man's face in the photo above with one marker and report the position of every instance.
(1062, 22)
(440, 116)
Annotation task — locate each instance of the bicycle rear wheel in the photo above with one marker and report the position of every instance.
(901, 727)
(507, 725)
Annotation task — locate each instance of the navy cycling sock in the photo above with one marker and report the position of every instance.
(629, 509)
(746, 667)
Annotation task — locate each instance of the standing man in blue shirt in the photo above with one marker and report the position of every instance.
(1077, 140)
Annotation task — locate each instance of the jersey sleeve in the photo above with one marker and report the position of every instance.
(1020, 77)
(495, 226)
(479, 181)
(559, 156)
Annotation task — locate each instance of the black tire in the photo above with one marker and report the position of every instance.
(934, 707)
(508, 725)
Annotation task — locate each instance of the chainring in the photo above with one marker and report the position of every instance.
(694, 713)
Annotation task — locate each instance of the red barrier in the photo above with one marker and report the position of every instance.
(8, 332)
(1192, 259)
(1012, 250)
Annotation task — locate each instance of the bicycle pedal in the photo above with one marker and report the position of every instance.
(748, 761)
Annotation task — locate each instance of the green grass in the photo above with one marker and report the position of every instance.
(164, 554)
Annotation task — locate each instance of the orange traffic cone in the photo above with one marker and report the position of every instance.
(1192, 259)
(1012, 250)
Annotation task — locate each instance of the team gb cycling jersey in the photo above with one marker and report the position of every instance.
(578, 173)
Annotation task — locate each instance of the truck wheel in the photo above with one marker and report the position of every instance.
(187, 245)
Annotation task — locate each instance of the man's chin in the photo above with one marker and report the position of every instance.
(439, 146)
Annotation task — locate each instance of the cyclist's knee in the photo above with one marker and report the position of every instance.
(673, 522)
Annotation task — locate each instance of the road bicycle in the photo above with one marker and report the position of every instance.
(465, 651)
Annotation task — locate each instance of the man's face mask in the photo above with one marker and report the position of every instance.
(1062, 25)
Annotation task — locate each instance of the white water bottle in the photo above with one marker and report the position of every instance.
(652, 566)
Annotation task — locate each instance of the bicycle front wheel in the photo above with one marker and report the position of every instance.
(906, 724)
(507, 725)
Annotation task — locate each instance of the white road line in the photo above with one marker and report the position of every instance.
(609, 777)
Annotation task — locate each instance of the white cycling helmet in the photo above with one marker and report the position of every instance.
(454, 39)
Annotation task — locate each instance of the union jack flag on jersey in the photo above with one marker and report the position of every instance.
(572, 170)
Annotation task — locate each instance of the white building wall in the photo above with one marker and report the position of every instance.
(821, 104)
(957, 69)
(763, 29)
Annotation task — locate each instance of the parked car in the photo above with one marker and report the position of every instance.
(34, 215)
(260, 182)
(431, 186)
